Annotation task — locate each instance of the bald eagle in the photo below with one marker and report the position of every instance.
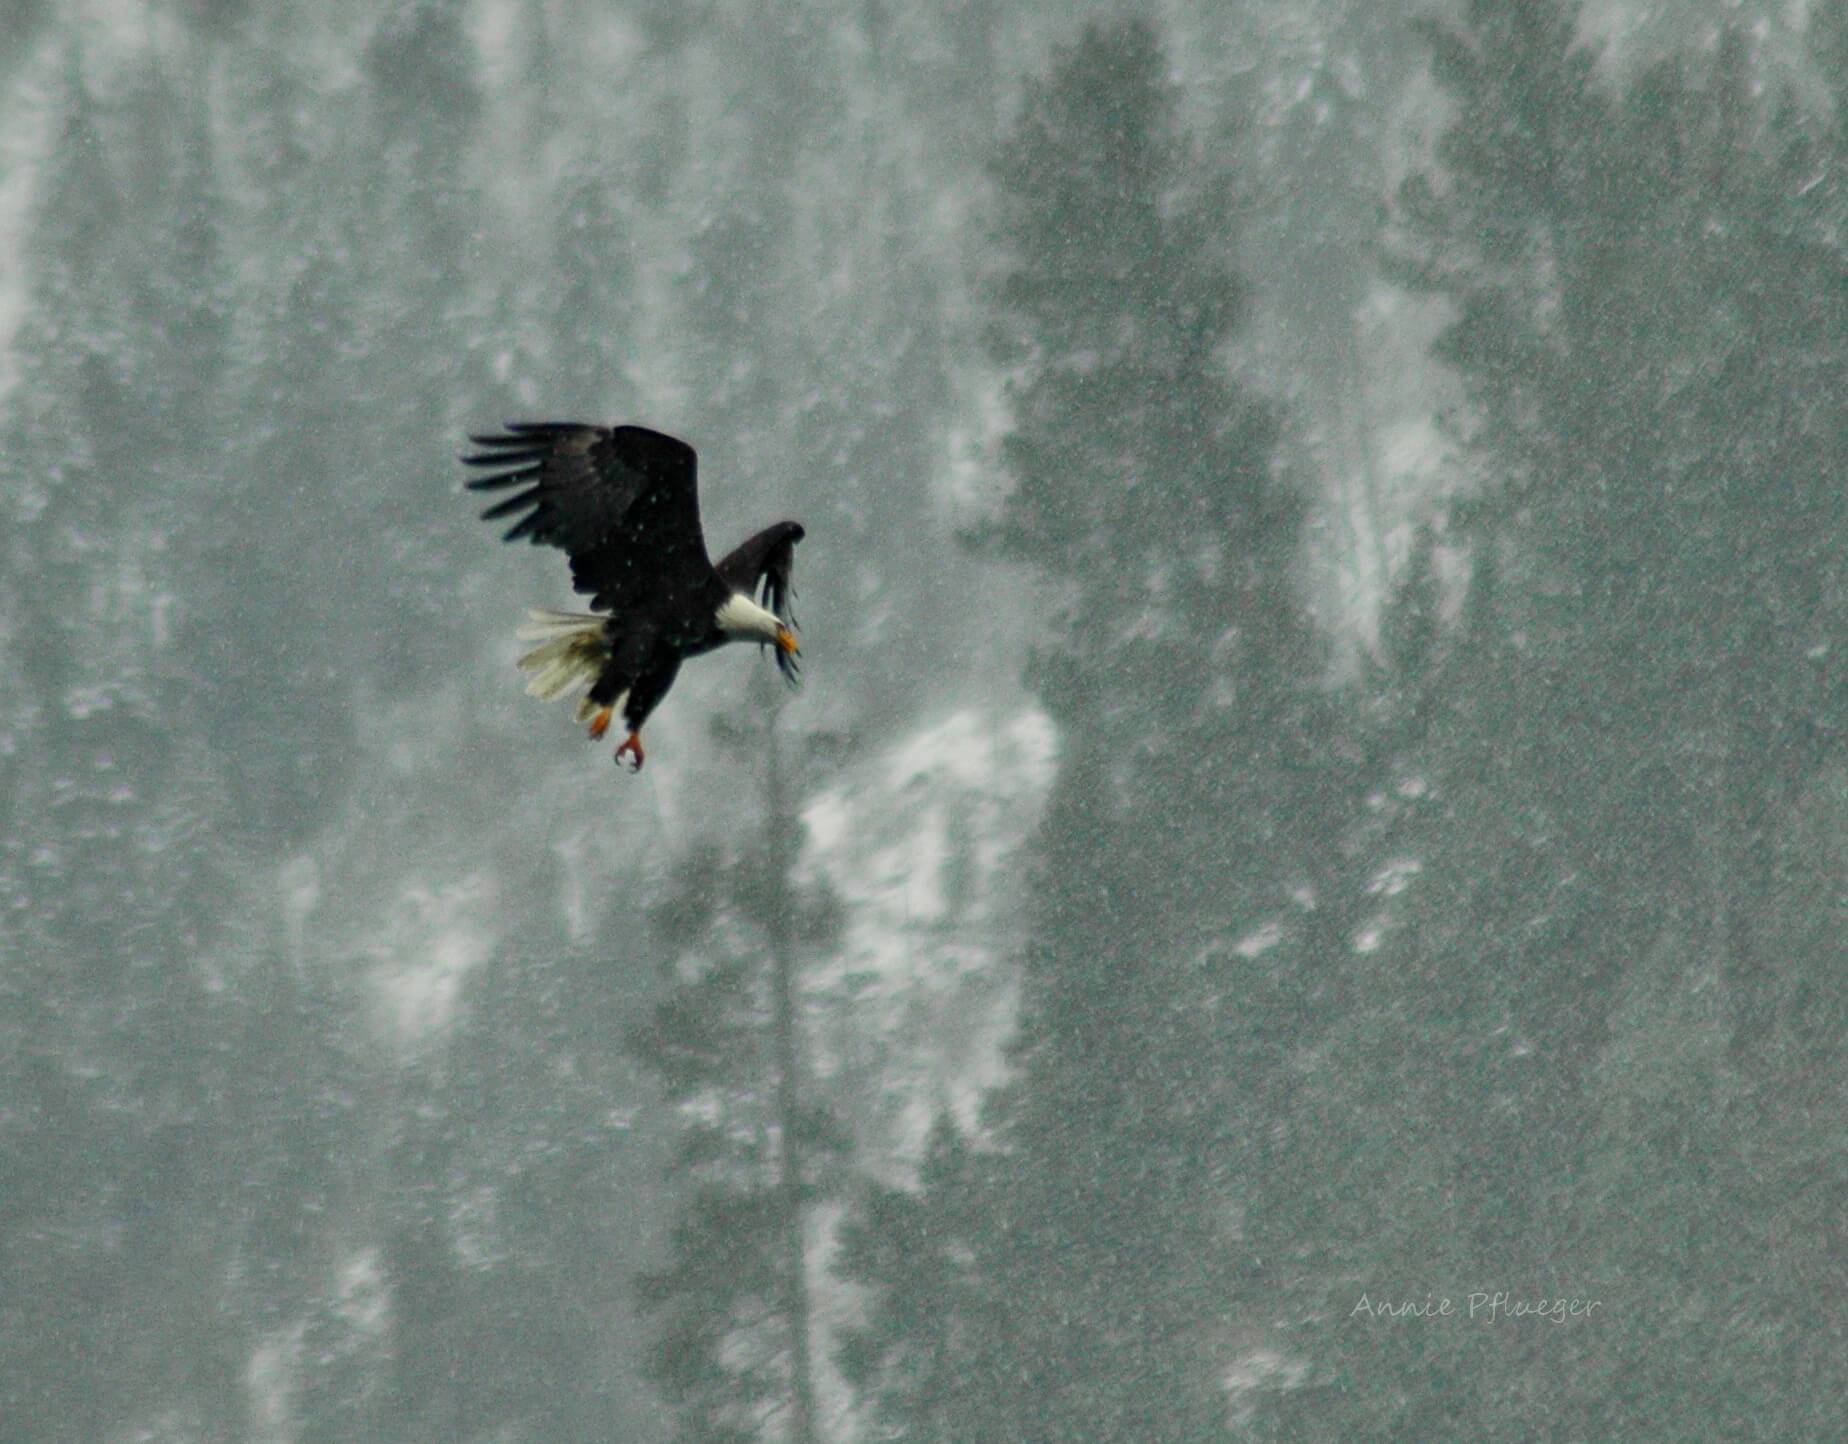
(622, 503)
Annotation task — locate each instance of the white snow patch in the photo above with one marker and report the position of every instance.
(360, 1296)
(827, 820)
(973, 483)
(300, 881)
(117, 33)
(431, 945)
(964, 748)
(916, 846)
(1254, 1373)
(269, 1383)
(87, 699)
(1414, 450)
(1262, 941)
(1395, 877)
(576, 854)
(495, 29)
(474, 1225)
(24, 127)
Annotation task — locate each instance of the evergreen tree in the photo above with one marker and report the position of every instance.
(112, 856)
(1183, 676)
(1648, 330)
(837, 404)
(279, 525)
(593, 315)
(734, 1356)
(923, 1361)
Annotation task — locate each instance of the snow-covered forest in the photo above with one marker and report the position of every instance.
(1304, 894)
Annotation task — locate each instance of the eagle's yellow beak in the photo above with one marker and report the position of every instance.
(786, 642)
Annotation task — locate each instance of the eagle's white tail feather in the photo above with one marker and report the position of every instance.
(570, 655)
(542, 624)
(561, 677)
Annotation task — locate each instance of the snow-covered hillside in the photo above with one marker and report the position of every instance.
(920, 845)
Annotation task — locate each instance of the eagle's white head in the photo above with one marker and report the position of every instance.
(743, 620)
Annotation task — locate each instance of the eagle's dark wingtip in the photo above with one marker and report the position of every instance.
(503, 478)
(510, 505)
(518, 431)
(523, 433)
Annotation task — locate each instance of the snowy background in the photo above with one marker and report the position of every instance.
(1319, 776)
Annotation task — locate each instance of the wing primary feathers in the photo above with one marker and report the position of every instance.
(780, 599)
(521, 433)
(503, 478)
(762, 564)
(621, 502)
(547, 428)
(509, 506)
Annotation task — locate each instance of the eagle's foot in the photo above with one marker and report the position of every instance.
(600, 722)
(631, 747)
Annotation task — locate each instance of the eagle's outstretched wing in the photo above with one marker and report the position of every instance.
(766, 560)
(621, 501)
